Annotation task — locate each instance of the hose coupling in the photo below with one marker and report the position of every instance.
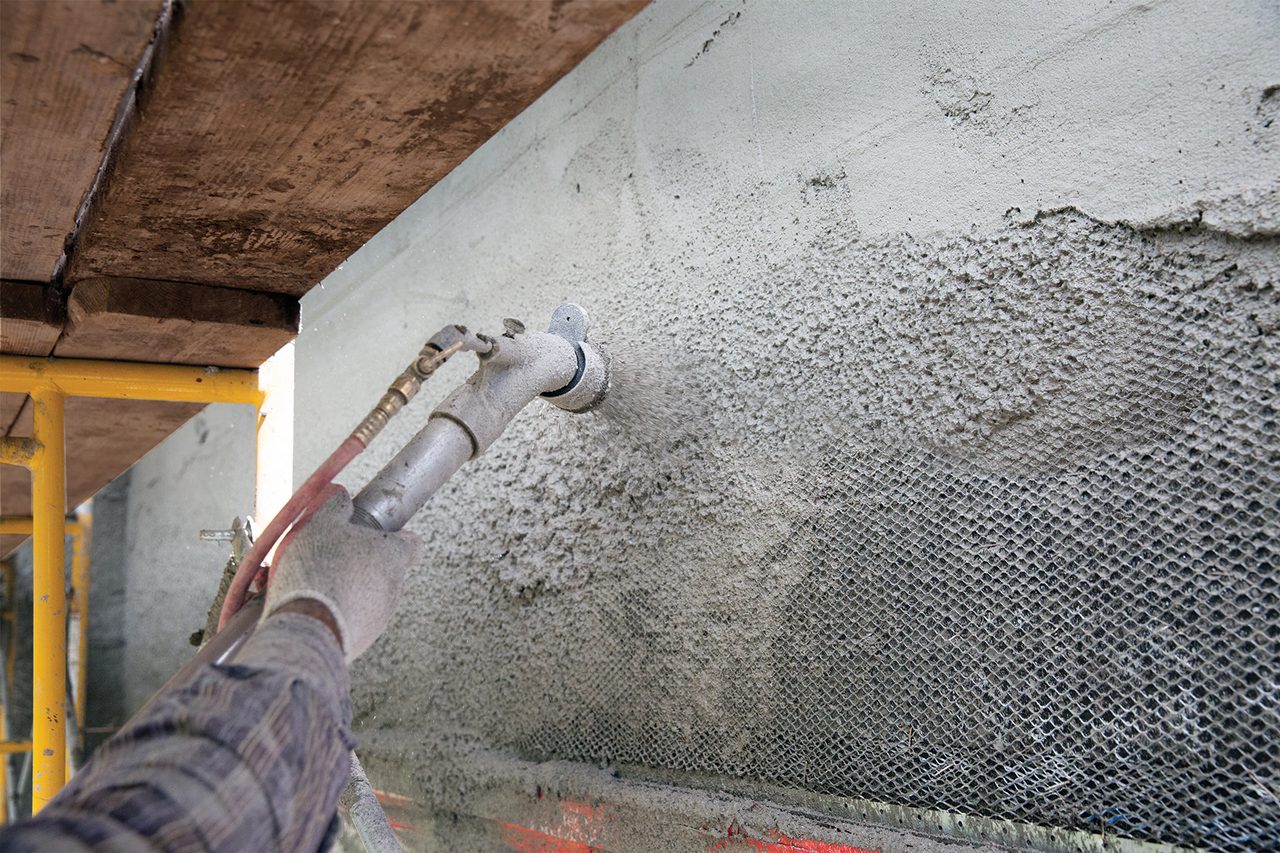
(403, 389)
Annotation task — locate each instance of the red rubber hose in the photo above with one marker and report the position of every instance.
(315, 488)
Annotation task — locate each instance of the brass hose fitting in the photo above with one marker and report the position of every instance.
(405, 387)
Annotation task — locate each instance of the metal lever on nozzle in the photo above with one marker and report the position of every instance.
(443, 344)
(559, 365)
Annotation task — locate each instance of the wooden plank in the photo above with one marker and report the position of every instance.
(27, 326)
(104, 438)
(279, 137)
(63, 69)
(176, 323)
(157, 321)
(276, 139)
(10, 408)
(166, 322)
(15, 499)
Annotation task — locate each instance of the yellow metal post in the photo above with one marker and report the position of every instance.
(15, 525)
(10, 617)
(20, 525)
(122, 380)
(48, 589)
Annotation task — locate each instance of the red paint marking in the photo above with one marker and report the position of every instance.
(809, 845)
(528, 840)
(575, 830)
(389, 799)
(592, 813)
(734, 840)
(400, 827)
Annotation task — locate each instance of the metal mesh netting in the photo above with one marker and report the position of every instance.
(1085, 650)
(1080, 636)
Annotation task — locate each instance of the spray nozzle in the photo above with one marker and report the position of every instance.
(560, 365)
(589, 384)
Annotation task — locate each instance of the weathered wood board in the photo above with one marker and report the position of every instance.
(154, 321)
(26, 328)
(280, 137)
(26, 324)
(104, 437)
(176, 323)
(63, 69)
(274, 140)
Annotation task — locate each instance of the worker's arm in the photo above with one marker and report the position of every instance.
(249, 755)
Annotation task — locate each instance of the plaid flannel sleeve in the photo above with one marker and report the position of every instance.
(244, 756)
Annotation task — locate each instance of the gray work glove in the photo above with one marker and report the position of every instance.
(354, 571)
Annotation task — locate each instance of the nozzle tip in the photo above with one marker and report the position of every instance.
(591, 385)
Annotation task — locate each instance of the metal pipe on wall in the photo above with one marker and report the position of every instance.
(78, 640)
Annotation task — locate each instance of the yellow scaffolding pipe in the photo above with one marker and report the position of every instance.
(10, 617)
(20, 525)
(49, 598)
(11, 648)
(123, 380)
(78, 529)
(49, 382)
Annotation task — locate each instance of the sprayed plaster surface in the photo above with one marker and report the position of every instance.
(1011, 240)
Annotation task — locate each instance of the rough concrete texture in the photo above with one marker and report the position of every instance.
(105, 710)
(1011, 238)
(200, 477)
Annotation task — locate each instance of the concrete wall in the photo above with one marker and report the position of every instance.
(200, 477)
(108, 624)
(805, 229)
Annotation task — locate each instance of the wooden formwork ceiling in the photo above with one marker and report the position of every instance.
(175, 175)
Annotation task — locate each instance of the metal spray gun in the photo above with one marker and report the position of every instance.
(560, 365)
(519, 366)
(516, 367)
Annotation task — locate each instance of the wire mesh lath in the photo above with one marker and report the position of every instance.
(1089, 650)
(1089, 645)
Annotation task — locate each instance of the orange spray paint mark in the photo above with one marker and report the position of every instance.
(575, 830)
(735, 840)
(387, 798)
(527, 840)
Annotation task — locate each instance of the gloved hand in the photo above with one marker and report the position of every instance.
(354, 571)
